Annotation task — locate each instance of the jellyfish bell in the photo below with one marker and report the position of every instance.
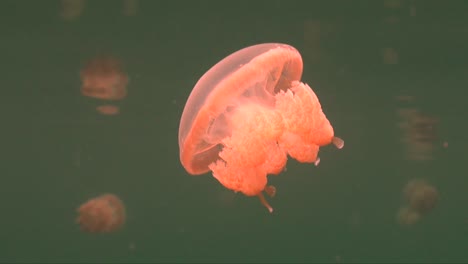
(247, 114)
(424, 199)
(103, 77)
(102, 214)
(104, 80)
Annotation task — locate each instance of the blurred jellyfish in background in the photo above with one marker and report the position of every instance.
(420, 198)
(103, 214)
(420, 195)
(130, 7)
(390, 55)
(103, 78)
(392, 10)
(71, 9)
(418, 130)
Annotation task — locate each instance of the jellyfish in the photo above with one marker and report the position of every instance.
(247, 114)
(103, 78)
(102, 214)
(418, 130)
(420, 199)
(71, 9)
(130, 7)
(420, 196)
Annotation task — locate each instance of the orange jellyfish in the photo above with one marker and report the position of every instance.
(247, 114)
(102, 214)
(104, 78)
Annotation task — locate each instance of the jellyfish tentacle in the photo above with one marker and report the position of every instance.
(338, 142)
(270, 190)
(265, 202)
(317, 161)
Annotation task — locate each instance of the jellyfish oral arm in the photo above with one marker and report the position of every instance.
(338, 142)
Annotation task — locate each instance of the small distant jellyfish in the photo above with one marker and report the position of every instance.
(247, 114)
(421, 196)
(103, 78)
(418, 130)
(130, 7)
(103, 214)
(420, 199)
(71, 9)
